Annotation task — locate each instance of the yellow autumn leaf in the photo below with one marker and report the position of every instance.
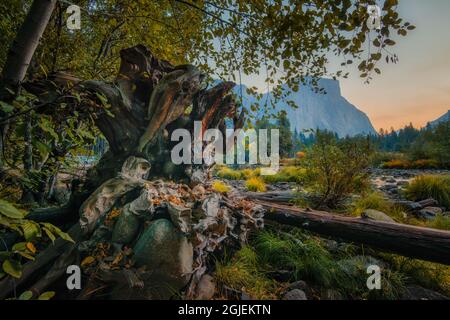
(87, 261)
(31, 247)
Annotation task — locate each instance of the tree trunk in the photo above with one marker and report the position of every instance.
(26, 42)
(415, 242)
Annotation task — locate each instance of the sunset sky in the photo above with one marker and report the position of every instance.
(417, 89)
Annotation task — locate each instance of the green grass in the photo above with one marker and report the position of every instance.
(287, 174)
(376, 201)
(242, 273)
(307, 259)
(430, 186)
(440, 222)
(429, 275)
(310, 261)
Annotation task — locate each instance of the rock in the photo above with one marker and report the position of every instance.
(302, 285)
(414, 292)
(376, 215)
(402, 183)
(446, 214)
(206, 288)
(409, 205)
(295, 294)
(126, 228)
(391, 180)
(389, 187)
(357, 265)
(428, 203)
(180, 216)
(429, 212)
(168, 256)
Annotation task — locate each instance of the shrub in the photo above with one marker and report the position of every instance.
(221, 187)
(430, 186)
(336, 169)
(255, 184)
(378, 158)
(397, 164)
(425, 164)
(406, 164)
(300, 155)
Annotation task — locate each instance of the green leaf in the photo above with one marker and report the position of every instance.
(8, 210)
(49, 234)
(43, 148)
(102, 99)
(6, 107)
(27, 295)
(47, 295)
(13, 268)
(30, 230)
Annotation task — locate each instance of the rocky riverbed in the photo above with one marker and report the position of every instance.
(392, 182)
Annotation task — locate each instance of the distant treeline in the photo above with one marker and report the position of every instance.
(428, 143)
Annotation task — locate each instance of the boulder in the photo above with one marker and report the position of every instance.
(429, 212)
(295, 294)
(409, 205)
(168, 256)
(376, 215)
(301, 285)
(126, 228)
(205, 288)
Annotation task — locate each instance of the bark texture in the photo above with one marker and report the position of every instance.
(26, 42)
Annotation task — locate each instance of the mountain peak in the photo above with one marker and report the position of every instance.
(443, 118)
(329, 111)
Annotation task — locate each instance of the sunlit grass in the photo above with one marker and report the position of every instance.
(376, 201)
(256, 184)
(220, 187)
(430, 186)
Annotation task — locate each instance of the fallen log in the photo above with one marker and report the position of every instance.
(273, 196)
(410, 241)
